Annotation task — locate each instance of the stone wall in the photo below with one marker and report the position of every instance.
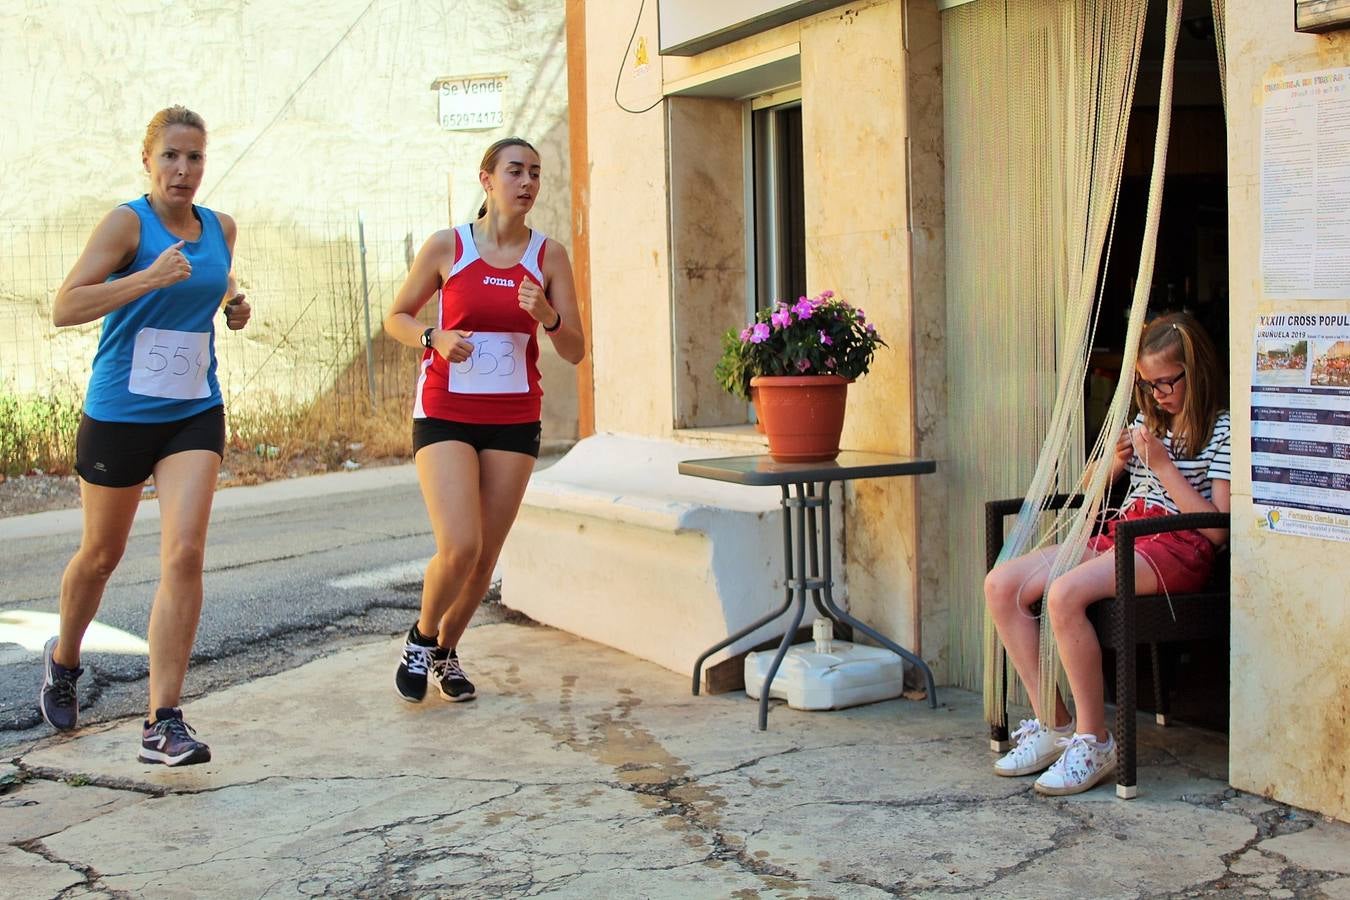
(316, 111)
(1290, 690)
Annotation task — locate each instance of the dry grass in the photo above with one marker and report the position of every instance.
(279, 441)
(38, 433)
(265, 441)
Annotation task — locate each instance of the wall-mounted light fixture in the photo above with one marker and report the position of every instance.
(1317, 16)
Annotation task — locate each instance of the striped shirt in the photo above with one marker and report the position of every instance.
(1210, 465)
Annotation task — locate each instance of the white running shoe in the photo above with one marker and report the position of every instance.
(1035, 748)
(1084, 765)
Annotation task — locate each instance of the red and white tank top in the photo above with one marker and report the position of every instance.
(499, 383)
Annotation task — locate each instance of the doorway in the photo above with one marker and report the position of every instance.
(1190, 273)
(1191, 268)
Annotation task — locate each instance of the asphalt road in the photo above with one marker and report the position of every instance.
(293, 571)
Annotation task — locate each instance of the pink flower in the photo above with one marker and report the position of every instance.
(826, 340)
(831, 362)
(803, 365)
(862, 316)
(871, 329)
(782, 318)
(759, 334)
(804, 308)
(745, 335)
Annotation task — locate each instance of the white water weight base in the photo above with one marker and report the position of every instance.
(848, 675)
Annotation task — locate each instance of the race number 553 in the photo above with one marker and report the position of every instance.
(496, 366)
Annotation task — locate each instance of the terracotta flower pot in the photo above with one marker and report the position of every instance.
(803, 415)
(759, 417)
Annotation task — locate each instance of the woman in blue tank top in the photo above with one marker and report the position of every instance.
(156, 271)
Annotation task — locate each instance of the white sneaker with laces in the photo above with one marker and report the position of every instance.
(1036, 747)
(1084, 765)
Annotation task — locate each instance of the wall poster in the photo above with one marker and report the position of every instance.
(1301, 424)
(1305, 186)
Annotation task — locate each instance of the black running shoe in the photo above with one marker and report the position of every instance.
(170, 741)
(411, 677)
(450, 678)
(57, 698)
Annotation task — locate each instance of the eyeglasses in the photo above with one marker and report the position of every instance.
(1163, 387)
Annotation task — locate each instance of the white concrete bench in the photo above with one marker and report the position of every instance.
(614, 545)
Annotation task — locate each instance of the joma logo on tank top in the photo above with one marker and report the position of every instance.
(498, 282)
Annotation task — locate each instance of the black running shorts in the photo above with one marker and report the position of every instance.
(123, 454)
(522, 438)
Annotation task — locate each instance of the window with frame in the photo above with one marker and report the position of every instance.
(737, 233)
(777, 217)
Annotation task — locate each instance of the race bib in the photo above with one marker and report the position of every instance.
(497, 365)
(171, 364)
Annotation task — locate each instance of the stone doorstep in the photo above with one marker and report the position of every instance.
(697, 559)
(637, 479)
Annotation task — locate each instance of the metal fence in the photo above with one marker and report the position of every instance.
(319, 289)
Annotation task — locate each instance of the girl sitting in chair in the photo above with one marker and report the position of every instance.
(1176, 452)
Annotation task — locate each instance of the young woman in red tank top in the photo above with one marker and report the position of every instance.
(476, 411)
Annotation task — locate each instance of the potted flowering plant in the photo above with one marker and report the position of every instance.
(795, 362)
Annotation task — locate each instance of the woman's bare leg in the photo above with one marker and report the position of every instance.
(186, 485)
(108, 516)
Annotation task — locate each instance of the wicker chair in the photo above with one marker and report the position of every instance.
(1124, 621)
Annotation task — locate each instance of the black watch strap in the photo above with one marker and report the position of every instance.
(426, 337)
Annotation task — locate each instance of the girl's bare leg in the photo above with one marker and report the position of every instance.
(1009, 590)
(449, 474)
(1079, 650)
(503, 478)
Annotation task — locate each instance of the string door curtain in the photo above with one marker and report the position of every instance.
(1111, 77)
(1220, 8)
(1037, 96)
(1037, 105)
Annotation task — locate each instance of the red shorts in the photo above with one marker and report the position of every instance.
(1181, 560)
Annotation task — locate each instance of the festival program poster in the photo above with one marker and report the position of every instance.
(1305, 186)
(1301, 425)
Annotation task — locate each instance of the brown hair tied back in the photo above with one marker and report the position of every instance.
(1179, 338)
(489, 163)
(167, 117)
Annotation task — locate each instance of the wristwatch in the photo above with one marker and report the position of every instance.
(426, 337)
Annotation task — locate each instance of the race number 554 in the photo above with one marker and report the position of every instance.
(170, 364)
(179, 362)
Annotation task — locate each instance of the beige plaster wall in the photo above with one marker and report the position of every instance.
(629, 215)
(310, 105)
(854, 114)
(1290, 729)
(929, 297)
(855, 121)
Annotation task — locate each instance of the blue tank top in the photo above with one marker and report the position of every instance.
(156, 359)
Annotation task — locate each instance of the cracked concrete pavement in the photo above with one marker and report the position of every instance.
(581, 771)
(295, 569)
